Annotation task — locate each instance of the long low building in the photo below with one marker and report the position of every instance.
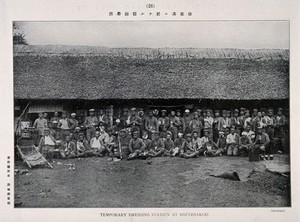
(56, 78)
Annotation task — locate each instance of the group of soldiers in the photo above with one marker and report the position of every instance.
(162, 133)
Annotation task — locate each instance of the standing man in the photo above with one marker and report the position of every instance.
(163, 121)
(270, 128)
(40, 124)
(248, 120)
(74, 122)
(46, 116)
(174, 124)
(151, 124)
(55, 117)
(103, 119)
(280, 130)
(217, 125)
(135, 122)
(186, 121)
(195, 124)
(180, 127)
(208, 122)
(228, 120)
(65, 124)
(90, 124)
(237, 122)
(142, 117)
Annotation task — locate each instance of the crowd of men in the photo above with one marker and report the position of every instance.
(159, 133)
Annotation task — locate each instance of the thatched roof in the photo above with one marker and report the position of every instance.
(48, 72)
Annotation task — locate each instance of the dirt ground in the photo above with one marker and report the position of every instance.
(167, 182)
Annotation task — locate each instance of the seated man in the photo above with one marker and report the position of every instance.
(232, 141)
(262, 141)
(189, 149)
(198, 143)
(169, 145)
(112, 145)
(82, 147)
(97, 145)
(164, 133)
(250, 133)
(147, 142)
(136, 146)
(68, 149)
(211, 149)
(221, 142)
(46, 145)
(123, 141)
(244, 144)
(157, 146)
(77, 133)
(178, 142)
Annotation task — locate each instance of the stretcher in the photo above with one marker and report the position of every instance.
(30, 153)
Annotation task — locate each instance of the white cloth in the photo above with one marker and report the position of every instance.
(95, 143)
(231, 138)
(64, 124)
(49, 141)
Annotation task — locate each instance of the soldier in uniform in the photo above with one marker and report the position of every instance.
(135, 122)
(180, 127)
(151, 124)
(280, 130)
(103, 119)
(186, 121)
(90, 123)
(74, 122)
(136, 146)
(163, 121)
(174, 124)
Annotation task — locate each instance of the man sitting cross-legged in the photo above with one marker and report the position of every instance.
(190, 149)
(245, 144)
(178, 142)
(83, 147)
(68, 149)
(211, 149)
(46, 145)
(136, 146)
(157, 146)
(169, 145)
(97, 145)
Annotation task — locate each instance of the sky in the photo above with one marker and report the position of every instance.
(158, 34)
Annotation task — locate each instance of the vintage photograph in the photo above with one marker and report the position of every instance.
(151, 114)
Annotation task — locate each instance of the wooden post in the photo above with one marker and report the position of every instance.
(111, 116)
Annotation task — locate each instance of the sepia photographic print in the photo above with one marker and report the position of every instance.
(151, 114)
